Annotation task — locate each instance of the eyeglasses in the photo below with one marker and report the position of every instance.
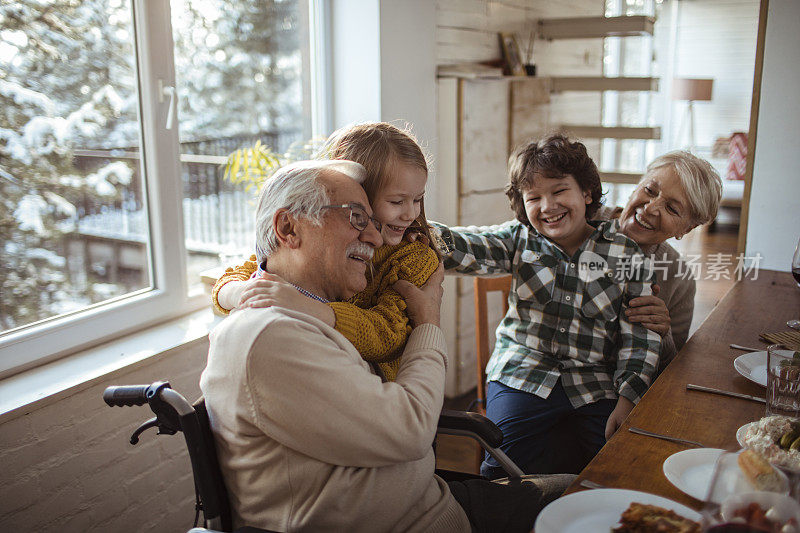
(359, 218)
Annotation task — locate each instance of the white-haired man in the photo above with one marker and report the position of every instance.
(309, 437)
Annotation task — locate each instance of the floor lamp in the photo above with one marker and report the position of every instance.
(691, 90)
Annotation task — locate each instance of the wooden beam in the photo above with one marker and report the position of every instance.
(571, 83)
(591, 27)
(611, 132)
(752, 134)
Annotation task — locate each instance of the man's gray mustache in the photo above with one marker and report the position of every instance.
(360, 249)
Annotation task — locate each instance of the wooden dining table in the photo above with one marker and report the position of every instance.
(632, 461)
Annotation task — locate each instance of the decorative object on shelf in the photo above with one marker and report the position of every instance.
(511, 54)
(691, 90)
(737, 156)
(530, 64)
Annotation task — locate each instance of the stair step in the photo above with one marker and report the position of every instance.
(572, 83)
(620, 177)
(611, 132)
(591, 27)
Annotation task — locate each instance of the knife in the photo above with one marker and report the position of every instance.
(690, 386)
(640, 431)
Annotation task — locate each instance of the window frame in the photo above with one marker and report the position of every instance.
(168, 297)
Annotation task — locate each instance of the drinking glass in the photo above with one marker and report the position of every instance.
(783, 381)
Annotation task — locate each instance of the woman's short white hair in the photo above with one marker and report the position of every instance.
(701, 182)
(296, 188)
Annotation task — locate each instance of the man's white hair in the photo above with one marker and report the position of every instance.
(296, 188)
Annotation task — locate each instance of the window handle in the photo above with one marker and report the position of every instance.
(163, 92)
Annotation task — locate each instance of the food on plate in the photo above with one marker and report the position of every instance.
(777, 439)
(643, 518)
(759, 473)
(759, 519)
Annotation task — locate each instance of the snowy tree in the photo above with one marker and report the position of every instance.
(54, 98)
(68, 84)
(238, 66)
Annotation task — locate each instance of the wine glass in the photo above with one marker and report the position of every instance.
(795, 324)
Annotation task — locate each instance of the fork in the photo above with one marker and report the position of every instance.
(744, 348)
(640, 431)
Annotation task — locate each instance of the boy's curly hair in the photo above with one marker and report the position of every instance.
(553, 157)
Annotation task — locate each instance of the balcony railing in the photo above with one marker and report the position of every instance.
(218, 216)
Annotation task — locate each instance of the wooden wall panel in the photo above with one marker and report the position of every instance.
(485, 141)
(486, 209)
(467, 29)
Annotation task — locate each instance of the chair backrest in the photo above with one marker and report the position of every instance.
(482, 348)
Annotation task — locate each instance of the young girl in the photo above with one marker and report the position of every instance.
(566, 356)
(374, 320)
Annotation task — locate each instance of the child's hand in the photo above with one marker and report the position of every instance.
(424, 303)
(272, 290)
(414, 236)
(650, 311)
(618, 416)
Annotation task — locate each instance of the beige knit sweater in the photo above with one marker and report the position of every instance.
(309, 439)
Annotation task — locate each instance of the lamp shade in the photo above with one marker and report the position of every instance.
(693, 89)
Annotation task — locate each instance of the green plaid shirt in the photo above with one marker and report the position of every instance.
(565, 314)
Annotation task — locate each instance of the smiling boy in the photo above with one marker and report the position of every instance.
(566, 356)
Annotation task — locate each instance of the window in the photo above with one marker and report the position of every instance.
(113, 128)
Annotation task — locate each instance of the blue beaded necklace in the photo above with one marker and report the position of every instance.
(310, 294)
(302, 291)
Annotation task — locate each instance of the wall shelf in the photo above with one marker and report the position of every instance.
(592, 27)
(572, 83)
(611, 132)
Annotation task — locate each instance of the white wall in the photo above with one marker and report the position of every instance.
(355, 53)
(383, 63)
(711, 39)
(68, 466)
(773, 225)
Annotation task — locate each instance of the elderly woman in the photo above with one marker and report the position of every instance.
(677, 193)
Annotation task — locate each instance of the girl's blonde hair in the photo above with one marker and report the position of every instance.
(381, 148)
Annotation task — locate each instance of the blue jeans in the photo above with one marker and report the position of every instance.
(545, 435)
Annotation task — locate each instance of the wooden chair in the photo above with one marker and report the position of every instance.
(482, 348)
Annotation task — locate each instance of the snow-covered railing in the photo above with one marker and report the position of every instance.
(218, 216)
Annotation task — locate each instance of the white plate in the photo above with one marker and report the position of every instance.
(742, 431)
(691, 470)
(598, 510)
(753, 366)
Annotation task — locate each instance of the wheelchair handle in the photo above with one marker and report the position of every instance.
(128, 395)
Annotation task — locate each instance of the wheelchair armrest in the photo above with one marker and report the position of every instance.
(480, 428)
(245, 529)
(470, 424)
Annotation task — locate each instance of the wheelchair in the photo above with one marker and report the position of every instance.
(174, 413)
